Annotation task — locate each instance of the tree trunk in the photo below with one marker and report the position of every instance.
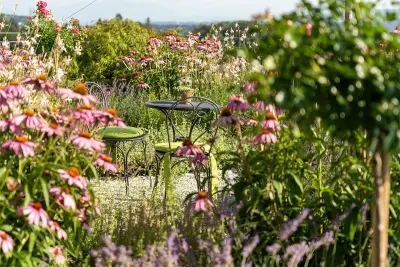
(380, 212)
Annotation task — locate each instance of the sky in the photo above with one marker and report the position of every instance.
(157, 10)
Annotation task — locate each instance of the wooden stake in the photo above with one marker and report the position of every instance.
(380, 213)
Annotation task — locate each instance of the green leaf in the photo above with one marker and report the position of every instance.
(27, 195)
(297, 181)
(279, 189)
(32, 240)
(45, 191)
(6, 228)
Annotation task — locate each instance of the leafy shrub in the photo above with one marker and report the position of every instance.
(105, 43)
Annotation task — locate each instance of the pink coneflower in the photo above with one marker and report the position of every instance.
(170, 38)
(36, 214)
(64, 199)
(308, 27)
(270, 122)
(58, 28)
(57, 254)
(85, 141)
(259, 106)
(144, 60)
(6, 242)
(54, 226)
(76, 31)
(29, 119)
(251, 122)
(142, 84)
(188, 149)
(202, 202)
(237, 103)
(4, 125)
(226, 119)
(73, 178)
(154, 42)
(82, 92)
(15, 91)
(12, 184)
(264, 137)
(85, 113)
(53, 129)
(109, 116)
(106, 162)
(250, 87)
(41, 82)
(200, 160)
(4, 105)
(20, 146)
(82, 218)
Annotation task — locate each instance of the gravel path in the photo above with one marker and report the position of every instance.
(112, 189)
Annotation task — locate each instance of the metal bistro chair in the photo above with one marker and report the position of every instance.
(193, 121)
(113, 136)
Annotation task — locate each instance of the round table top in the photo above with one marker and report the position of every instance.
(167, 104)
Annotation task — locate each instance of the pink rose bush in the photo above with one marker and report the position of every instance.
(48, 156)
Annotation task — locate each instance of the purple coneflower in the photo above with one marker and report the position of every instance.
(57, 254)
(264, 137)
(40, 82)
(202, 203)
(237, 103)
(54, 226)
(106, 162)
(15, 91)
(73, 178)
(142, 84)
(36, 214)
(20, 146)
(29, 119)
(85, 141)
(6, 242)
(270, 123)
(250, 87)
(188, 149)
(53, 129)
(226, 119)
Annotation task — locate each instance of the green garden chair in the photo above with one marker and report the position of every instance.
(187, 122)
(118, 139)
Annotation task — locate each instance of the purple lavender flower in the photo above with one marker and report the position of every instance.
(296, 253)
(273, 249)
(289, 227)
(343, 216)
(326, 240)
(247, 250)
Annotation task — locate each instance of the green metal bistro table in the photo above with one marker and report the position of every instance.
(199, 112)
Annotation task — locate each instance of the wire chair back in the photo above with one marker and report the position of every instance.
(99, 91)
(192, 120)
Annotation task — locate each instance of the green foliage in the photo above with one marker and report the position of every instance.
(334, 71)
(106, 42)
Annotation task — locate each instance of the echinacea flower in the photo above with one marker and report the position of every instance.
(143, 84)
(57, 254)
(15, 91)
(82, 92)
(85, 141)
(76, 31)
(106, 162)
(55, 226)
(29, 119)
(270, 123)
(265, 137)
(259, 106)
(53, 129)
(110, 117)
(6, 242)
(250, 87)
(63, 198)
(40, 82)
(237, 103)
(4, 105)
(188, 149)
(73, 178)
(12, 184)
(20, 146)
(85, 113)
(226, 119)
(36, 214)
(200, 160)
(202, 202)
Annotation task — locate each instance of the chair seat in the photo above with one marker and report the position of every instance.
(114, 132)
(164, 147)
